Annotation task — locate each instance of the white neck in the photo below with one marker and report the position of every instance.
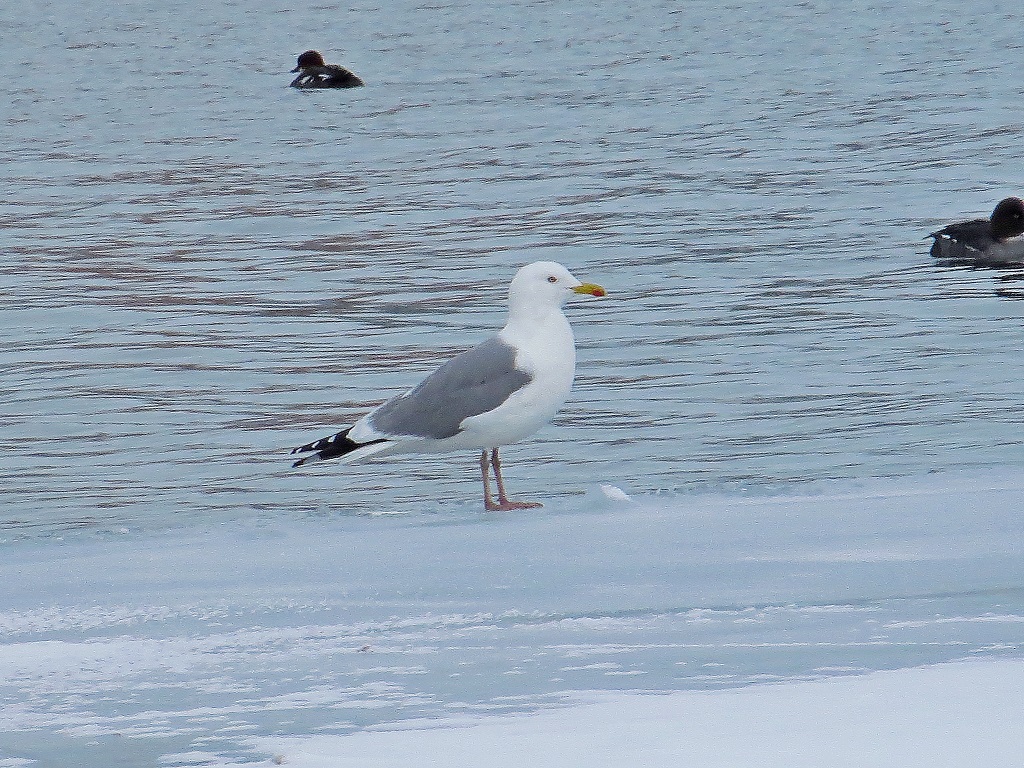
(548, 334)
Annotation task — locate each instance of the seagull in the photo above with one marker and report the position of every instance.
(494, 394)
(986, 242)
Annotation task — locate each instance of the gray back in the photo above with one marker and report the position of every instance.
(474, 382)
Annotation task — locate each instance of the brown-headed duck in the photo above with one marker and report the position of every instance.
(314, 73)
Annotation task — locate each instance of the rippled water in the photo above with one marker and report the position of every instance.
(204, 268)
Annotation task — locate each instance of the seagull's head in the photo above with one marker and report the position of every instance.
(548, 283)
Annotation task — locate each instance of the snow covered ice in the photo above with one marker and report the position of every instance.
(221, 643)
(964, 715)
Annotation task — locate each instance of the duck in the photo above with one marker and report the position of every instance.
(315, 73)
(985, 242)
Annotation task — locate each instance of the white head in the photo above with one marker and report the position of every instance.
(545, 285)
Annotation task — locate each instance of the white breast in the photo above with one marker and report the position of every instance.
(547, 351)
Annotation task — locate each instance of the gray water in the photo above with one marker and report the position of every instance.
(203, 268)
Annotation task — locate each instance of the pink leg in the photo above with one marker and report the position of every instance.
(485, 471)
(504, 503)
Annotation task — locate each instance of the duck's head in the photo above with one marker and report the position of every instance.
(1008, 218)
(309, 59)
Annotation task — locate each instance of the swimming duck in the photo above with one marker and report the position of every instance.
(317, 74)
(989, 241)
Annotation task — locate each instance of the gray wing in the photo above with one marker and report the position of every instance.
(474, 382)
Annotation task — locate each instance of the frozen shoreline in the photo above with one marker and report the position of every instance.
(214, 644)
(958, 715)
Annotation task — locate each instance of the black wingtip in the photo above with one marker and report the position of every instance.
(329, 448)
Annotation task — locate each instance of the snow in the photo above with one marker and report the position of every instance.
(957, 715)
(870, 618)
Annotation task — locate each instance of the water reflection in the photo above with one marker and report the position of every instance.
(198, 273)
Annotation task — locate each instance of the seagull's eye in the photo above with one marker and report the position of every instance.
(552, 279)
